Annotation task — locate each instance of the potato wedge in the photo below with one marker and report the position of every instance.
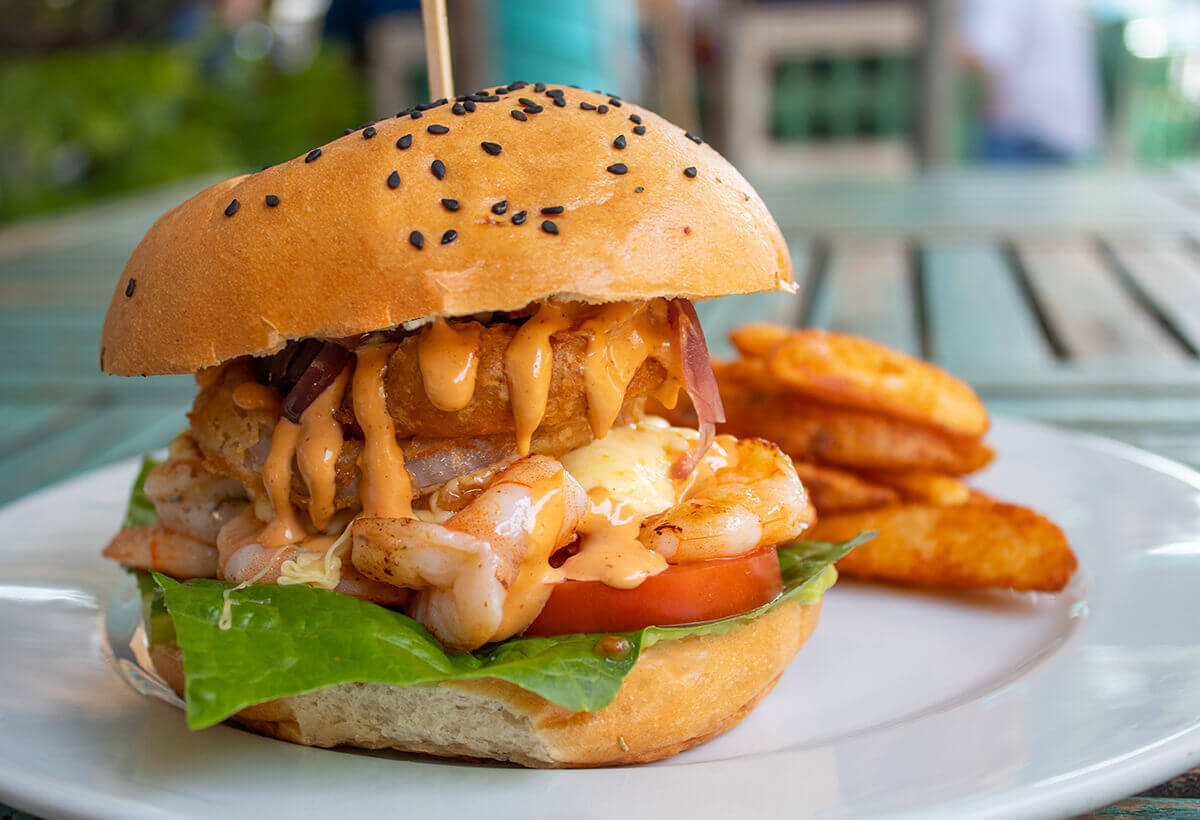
(977, 545)
(849, 371)
(920, 485)
(758, 339)
(832, 490)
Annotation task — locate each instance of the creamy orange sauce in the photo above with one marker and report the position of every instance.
(386, 488)
(449, 359)
(529, 593)
(623, 336)
(318, 448)
(609, 548)
(528, 366)
(285, 526)
(255, 396)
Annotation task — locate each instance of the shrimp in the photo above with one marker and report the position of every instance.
(751, 500)
(188, 498)
(158, 548)
(481, 575)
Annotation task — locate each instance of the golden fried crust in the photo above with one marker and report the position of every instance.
(680, 693)
(333, 257)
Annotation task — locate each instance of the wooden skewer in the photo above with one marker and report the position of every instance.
(437, 49)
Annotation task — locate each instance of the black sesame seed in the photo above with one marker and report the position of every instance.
(469, 105)
(619, 142)
(272, 200)
(525, 101)
(554, 92)
(690, 172)
(312, 155)
(347, 132)
(518, 115)
(617, 168)
(587, 106)
(636, 119)
(603, 109)
(438, 168)
(457, 109)
(553, 209)
(533, 109)
(449, 236)
(638, 189)
(692, 137)
(403, 113)
(517, 85)
(640, 130)
(404, 142)
(368, 132)
(539, 87)
(416, 240)
(613, 101)
(450, 204)
(393, 180)
(492, 148)
(434, 104)
(231, 208)
(500, 207)
(549, 227)
(462, 97)
(416, 115)
(438, 129)
(518, 218)
(560, 102)
(129, 288)
(485, 97)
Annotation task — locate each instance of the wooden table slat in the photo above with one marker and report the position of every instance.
(1167, 270)
(868, 290)
(719, 316)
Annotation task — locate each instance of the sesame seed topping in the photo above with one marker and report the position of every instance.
(457, 109)
(539, 87)
(469, 105)
(368, 132)
(485, 98)
(617, 168)
(347, 132)
(404, 142)
(492, 148)
(500, 207)
(449, 236)
(393, 180)
(587, 106)
(525, 101)
(450, 204)
(613, 101)
(312, 155)
(129, 288)
(518, 218)
(231, 208)
(403, 113)
(438, 168)
(416, 115)
(690, 172)
(501, 90)
(560, 102)
(636, 119)
(638, 189)
(519, 84)
(549, 227)
(553, 209)
(554, 92)
(438, 129)
(692, 137)
(518, 115)
(640, 130)
(416, 240)
(533, 109)
(619, 142)
(272, 200)
(434, 104)
(603, 109)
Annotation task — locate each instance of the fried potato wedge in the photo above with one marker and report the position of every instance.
(832, 490)
(849, 371)
(920, 485)
(977, 545)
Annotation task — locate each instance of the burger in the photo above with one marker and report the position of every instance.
(421, 502)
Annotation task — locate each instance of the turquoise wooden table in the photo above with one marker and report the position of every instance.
(1068, 297)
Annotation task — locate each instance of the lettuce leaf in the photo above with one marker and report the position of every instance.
(140, 512)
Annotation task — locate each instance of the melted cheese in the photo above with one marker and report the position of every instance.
(318, 448)
(528, 366)
(449, 360)
(320, 565)
(255, 396)
(386, 488)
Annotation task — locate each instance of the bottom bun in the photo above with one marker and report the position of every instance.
(679, 694)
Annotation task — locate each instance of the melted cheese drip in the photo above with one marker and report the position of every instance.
(386, 487)
(530, 591)
(320, 565)
(318, 449)
(623, 336)
(528, 366)
(255, 396)
(285, 526)
(449, 360)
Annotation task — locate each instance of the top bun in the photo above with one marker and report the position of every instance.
(226, 274)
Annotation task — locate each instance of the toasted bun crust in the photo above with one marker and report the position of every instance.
(333, 257)
(680, 693)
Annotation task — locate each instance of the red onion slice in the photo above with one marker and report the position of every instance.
(320, 373)
(698, 379)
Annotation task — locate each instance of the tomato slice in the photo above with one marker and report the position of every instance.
(681, 594)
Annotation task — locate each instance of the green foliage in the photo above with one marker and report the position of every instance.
(78, 125)
(140, 512)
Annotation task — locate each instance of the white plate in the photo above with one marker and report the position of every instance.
(903, 703)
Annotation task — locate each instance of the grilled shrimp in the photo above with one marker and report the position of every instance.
(188, 498)
(158, 548)
(751, 500)
(479, 576)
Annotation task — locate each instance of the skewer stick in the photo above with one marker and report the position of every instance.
(437, 49)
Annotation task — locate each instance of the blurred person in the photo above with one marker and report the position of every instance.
(1038, 60)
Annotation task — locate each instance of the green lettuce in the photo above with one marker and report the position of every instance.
(139, 512)
(265, 641)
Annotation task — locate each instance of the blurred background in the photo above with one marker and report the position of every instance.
(101, 97)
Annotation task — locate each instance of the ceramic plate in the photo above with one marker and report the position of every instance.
(902, 704)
